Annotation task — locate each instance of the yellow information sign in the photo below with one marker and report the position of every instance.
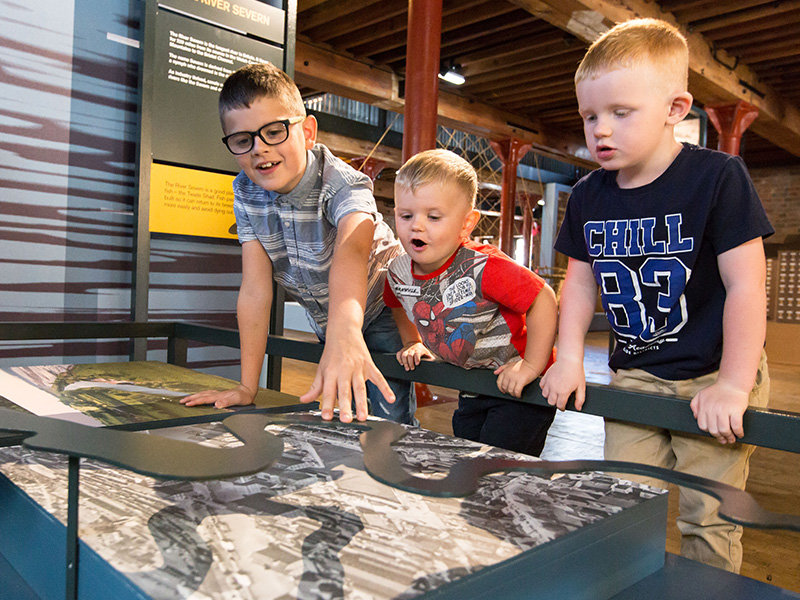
(191, 202)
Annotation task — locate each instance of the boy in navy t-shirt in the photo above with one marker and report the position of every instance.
(672, 236)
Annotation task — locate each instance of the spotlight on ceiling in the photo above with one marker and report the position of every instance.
(452, 75)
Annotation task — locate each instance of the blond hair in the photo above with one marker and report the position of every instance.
(260, 80)
(637, 42)
(438, 166)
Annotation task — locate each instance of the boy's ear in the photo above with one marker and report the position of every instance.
(679, 108)
(310, 131)
(470, 221)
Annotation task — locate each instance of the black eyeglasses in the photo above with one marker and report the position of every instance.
(271, 134)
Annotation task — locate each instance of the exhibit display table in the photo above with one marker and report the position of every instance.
(315, 524)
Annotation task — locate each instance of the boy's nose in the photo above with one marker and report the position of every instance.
(602, 128)
(258, 145)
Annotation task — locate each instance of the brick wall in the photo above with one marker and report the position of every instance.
(779, 189)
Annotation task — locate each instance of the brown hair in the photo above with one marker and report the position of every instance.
(438, 166)
(636, 42)
(260, 80)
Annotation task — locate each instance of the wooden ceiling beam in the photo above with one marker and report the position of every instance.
(304, 5)
(713, 9)
(562, 64)
(772, 10)
(775, 51)
(709, 81)
(383, 44)
(324, 13)
(740, 43)
(366, 42)
(394, 24)
(362, 19)
(348, 147)
(546, 78)
(454, 37)
(675, 5)
(566, 112)
(511, 37)
(328, 71)
(755, 25)
(523, 89)
(542, 96)
(325, 70)
(541, 37)
(525, 53)
(495, 26)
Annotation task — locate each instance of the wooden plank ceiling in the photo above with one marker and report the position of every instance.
(519, 58)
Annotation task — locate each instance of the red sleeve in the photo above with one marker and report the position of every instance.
(514, 288)
(389, 299)
(510, 284)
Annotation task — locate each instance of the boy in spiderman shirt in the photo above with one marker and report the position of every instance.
(468, 304)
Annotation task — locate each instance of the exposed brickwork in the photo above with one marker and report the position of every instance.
(779, 189)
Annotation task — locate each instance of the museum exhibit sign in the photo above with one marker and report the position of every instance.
(185, 173)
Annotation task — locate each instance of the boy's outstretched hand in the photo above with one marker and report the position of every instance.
(238, 396)
(513, 376)
(719, 409)
(560, 380)
(411, 354)
(342, 376)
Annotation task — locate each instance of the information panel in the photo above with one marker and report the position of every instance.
(191, 202)
(193, 59)
(245, 16)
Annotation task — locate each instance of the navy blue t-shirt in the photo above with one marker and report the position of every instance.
(653, 250)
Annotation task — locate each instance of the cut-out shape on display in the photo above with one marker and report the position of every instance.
(153, 455)
(163, 457)
(383, 463)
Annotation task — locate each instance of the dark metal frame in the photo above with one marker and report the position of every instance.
(763, 427)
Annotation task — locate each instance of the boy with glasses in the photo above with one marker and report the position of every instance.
(309, 221)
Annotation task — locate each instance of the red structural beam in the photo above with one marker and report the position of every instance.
(422, 76)
(510, 151)
(731, 121)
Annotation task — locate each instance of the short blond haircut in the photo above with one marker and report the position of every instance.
(260, 80)
(438, 166)
(637, 42)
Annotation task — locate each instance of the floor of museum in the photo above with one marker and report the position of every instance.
(769, 556)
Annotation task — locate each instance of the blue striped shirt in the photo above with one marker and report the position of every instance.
(298, 231)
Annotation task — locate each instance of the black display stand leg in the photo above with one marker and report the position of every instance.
(71, 591)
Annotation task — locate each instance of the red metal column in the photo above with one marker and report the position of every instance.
(527, 225)
(510, 151)
(422, 76)
(731, 121)
(528, 203)
(372, 167)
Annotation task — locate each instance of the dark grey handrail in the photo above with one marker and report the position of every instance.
(763, 427)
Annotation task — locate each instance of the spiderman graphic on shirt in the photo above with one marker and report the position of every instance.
(455, 345)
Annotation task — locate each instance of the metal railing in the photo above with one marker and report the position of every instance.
(763, 427)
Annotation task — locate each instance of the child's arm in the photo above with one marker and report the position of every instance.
(413, 349)
(719, 407)
(252, 312)
(578, 299)
(540, 320)
(346, 363)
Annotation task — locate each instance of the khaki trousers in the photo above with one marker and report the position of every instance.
(705, 537)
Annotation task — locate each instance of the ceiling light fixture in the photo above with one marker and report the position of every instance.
(452, 75)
